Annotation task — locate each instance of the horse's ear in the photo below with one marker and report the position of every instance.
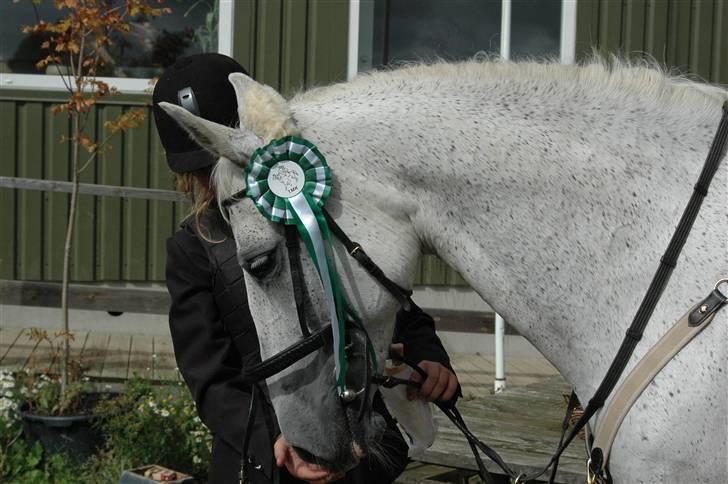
(261, 109)
(234, 144)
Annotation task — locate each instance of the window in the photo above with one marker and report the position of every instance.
(193, 26)
(392, 31)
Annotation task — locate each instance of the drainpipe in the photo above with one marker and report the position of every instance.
(500, 361)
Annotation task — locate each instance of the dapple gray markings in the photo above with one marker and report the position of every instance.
(562, 241)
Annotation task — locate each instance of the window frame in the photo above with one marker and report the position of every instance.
(49, 82)
(567, 42)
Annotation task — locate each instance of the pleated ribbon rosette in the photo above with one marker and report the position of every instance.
(289, 180)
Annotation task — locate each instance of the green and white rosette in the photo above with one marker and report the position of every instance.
(289, 180)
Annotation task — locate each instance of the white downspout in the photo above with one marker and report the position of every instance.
(352, 64)
(568, 32)
(500, 361)
(499, 334)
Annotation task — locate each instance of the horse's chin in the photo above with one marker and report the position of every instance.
(342, 463)
(351, 453)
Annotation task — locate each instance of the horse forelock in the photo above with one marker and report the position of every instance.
(227, 179)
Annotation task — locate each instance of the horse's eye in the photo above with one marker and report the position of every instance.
(262, 265)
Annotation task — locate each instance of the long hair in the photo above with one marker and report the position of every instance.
(196, 185)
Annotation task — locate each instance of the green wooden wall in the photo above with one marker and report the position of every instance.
(688, 35)
(116, 239)
(290, 45)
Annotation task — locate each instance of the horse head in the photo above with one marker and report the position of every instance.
(310, 413)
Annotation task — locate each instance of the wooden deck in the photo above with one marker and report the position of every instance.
(107, 357)
(522, 424)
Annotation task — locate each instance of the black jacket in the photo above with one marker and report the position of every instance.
(214, 338)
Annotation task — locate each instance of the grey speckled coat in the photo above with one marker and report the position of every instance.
(553, 190)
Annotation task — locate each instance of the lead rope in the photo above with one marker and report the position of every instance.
(244, 473)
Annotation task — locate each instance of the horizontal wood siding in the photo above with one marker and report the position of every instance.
(688, 36)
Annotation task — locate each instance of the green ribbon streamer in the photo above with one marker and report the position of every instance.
(303, 208)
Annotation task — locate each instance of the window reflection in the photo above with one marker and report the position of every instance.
(425, 30)
(150, 46)
(535, 28)
(393, 31)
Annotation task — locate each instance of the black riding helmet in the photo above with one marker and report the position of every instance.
(198, 83)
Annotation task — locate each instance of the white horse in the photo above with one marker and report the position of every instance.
(552, 189)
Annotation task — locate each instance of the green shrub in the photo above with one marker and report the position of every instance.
(148, 425)
(19, 461)
(145, 424)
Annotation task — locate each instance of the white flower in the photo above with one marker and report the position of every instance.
(164, 413)
(196, 460)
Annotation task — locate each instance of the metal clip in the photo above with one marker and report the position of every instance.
(518, 478)
(717, 285)
(591, 478)
(347, 395)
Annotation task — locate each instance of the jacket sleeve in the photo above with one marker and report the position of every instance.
(415, 329)
(206, 357)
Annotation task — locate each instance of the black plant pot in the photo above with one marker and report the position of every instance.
(72, 435)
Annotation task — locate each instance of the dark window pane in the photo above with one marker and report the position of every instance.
(151, 45)
(535, 28)
(425, 30)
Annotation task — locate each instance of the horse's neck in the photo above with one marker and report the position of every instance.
(565, 250)
(556, 217)
(554, 207)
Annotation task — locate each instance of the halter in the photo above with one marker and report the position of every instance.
(362, 382)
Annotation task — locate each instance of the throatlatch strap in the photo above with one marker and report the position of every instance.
(355, 250)
(659, 281)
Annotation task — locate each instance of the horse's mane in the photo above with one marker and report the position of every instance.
(645, 78)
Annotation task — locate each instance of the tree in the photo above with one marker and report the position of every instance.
(80, 40)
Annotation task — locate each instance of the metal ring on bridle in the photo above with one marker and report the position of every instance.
(347, 395)
(718, 284)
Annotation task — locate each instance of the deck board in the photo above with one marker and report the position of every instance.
(116, 365)
(16, 349)
(165, 365)
(523, 424)
(141, 360)
(93, 354)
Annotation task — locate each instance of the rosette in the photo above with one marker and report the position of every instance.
(289, 180)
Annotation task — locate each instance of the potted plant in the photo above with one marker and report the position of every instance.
(62, 421)
(79, 40)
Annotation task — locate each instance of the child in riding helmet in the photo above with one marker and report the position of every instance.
(212, 330)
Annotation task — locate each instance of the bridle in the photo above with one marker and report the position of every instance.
(357, 396)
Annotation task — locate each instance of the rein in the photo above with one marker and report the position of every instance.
(596, 467)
